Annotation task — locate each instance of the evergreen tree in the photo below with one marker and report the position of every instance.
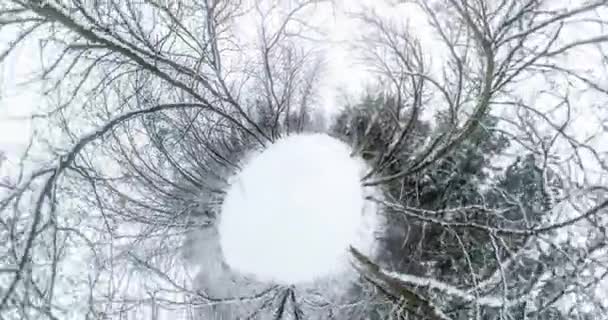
(458, 188)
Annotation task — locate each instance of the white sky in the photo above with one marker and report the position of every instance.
(17, 100)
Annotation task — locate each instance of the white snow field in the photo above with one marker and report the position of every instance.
(292, 212)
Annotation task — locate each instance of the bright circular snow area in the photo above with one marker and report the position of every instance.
(290, 215)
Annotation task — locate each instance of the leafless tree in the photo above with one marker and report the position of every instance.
(151, 105)
(155, 103)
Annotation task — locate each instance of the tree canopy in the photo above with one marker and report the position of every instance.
(483, 131)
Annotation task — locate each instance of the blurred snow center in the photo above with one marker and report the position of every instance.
(292, 212)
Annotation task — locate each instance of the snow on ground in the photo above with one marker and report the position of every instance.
(290, 215)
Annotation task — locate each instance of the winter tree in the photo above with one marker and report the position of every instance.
(482, 132)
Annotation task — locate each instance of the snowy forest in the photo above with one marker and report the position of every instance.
(481, 126)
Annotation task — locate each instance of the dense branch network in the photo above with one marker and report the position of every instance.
(493, 197)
